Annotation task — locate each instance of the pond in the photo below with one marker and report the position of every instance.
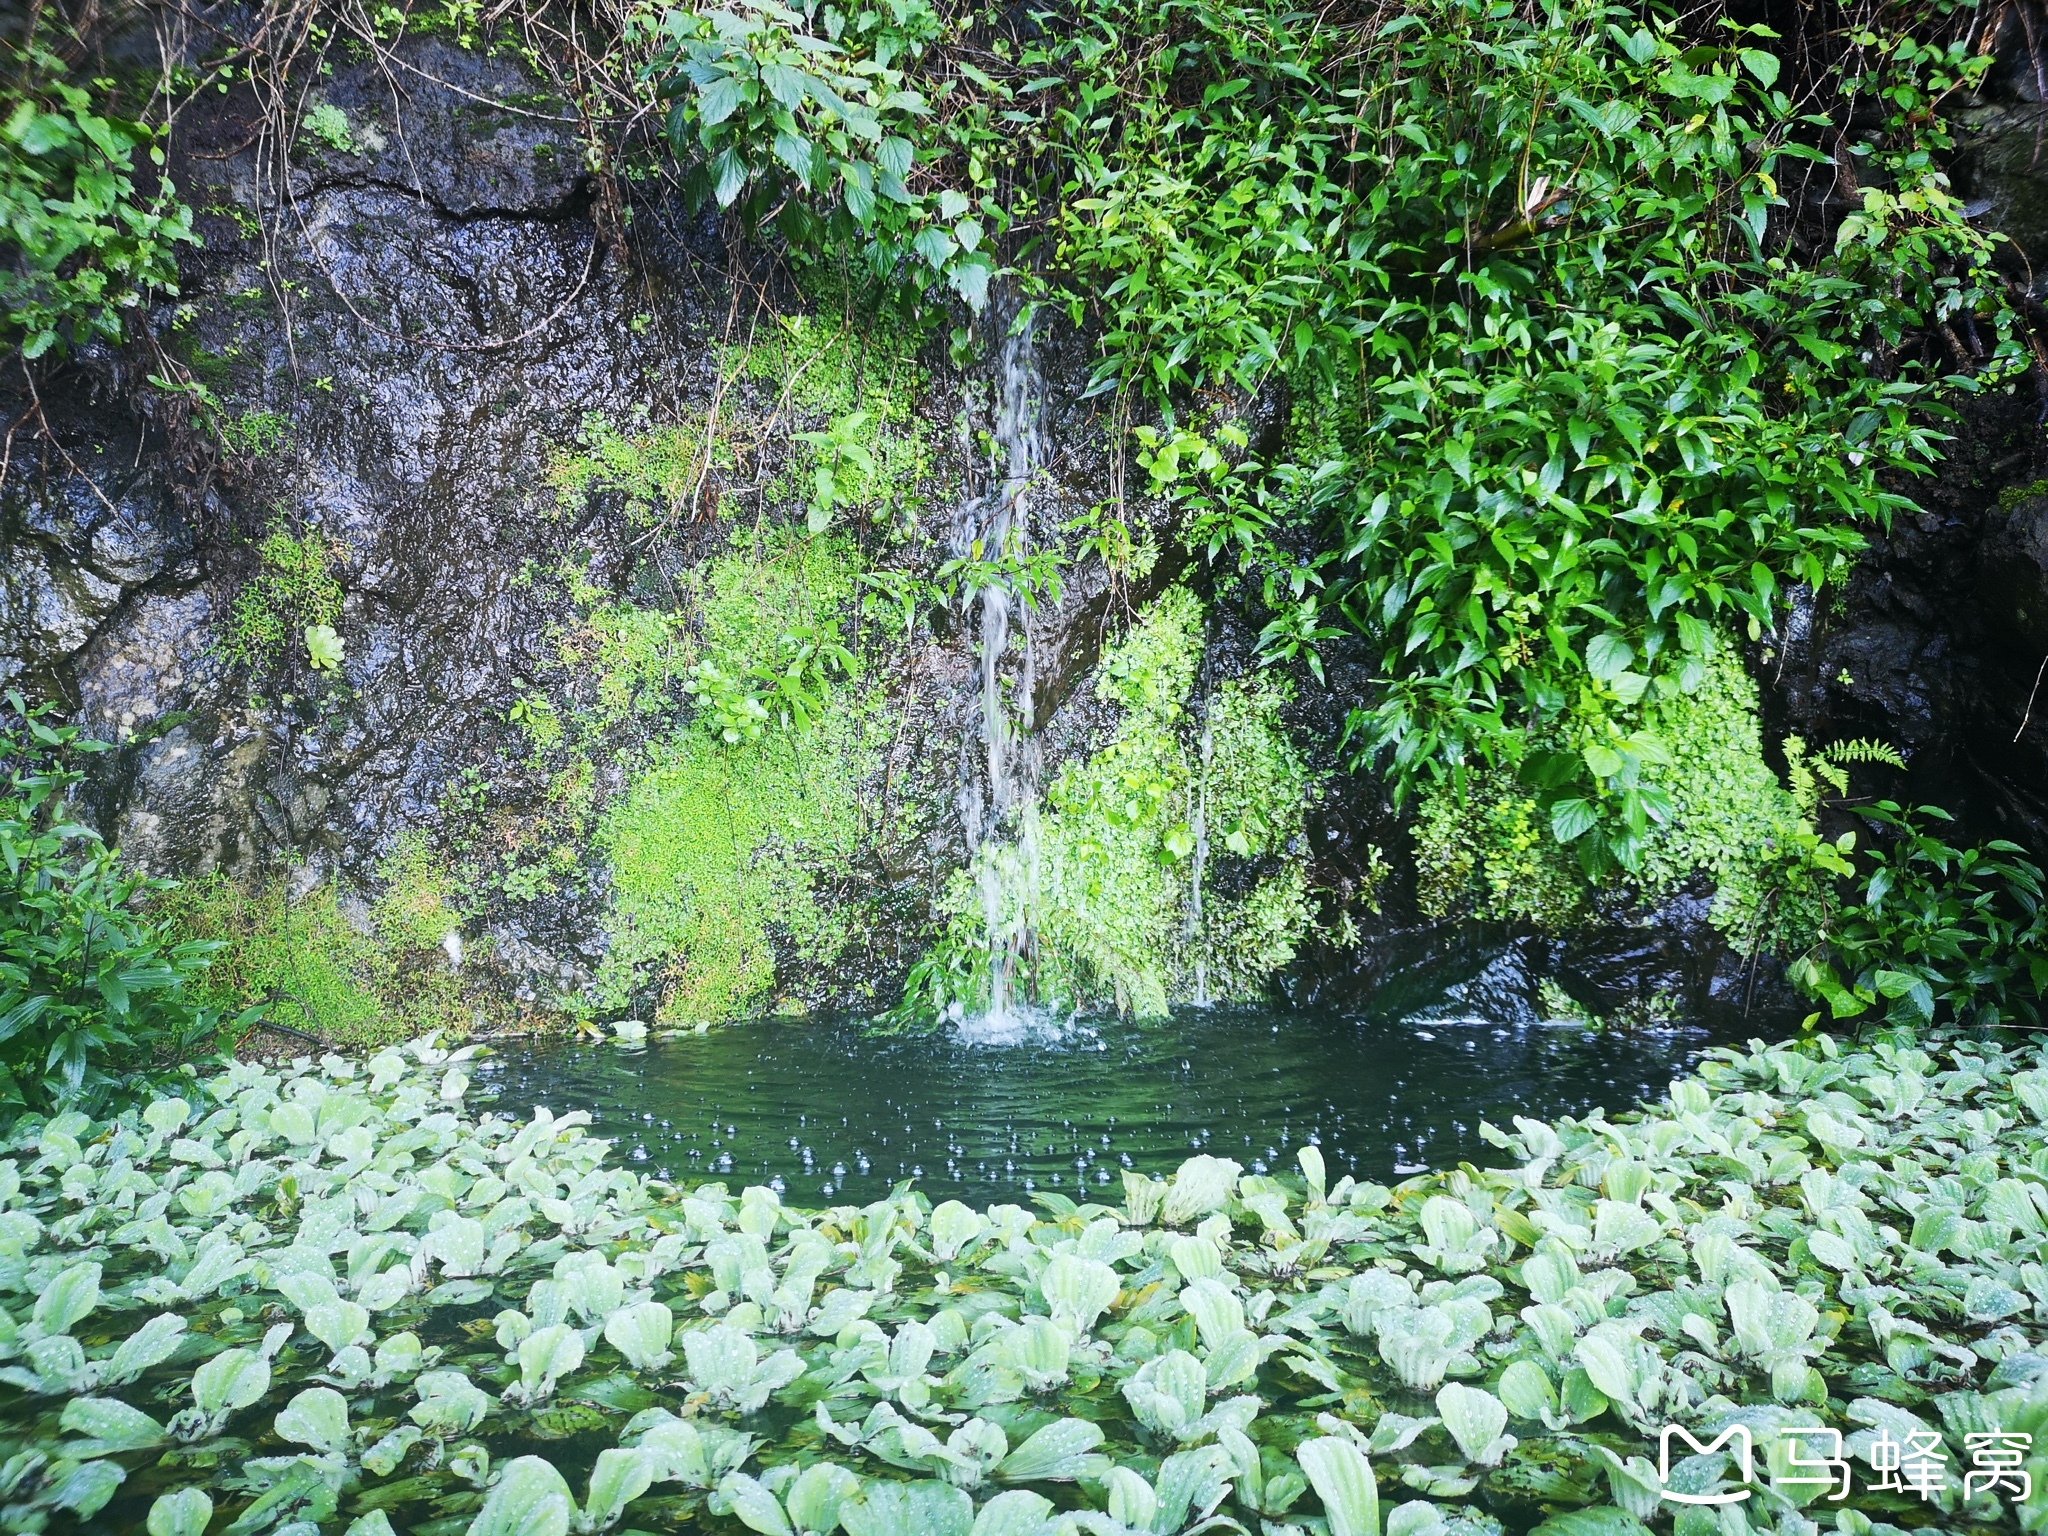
(833, 1112)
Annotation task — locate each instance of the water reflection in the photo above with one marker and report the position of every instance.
(829, 1113)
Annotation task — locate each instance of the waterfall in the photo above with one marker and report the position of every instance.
(999, 795)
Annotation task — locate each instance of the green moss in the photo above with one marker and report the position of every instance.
(660, 473)
(295, 585)
(314, 969)
(539, 849)
(714, 848)
(1490, 850)
(2013, 495)
(635, 655)
(1731, 817)
(351, 975)
(711, 848)
(420, 905)
(1099, 892)
(853, 380)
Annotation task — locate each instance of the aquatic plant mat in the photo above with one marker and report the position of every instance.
(333, 1299)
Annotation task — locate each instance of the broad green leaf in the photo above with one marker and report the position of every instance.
(1199, 1186)
(1017, 1512)
(618, 1478)
(450, 1404)
(1342, 1478)
(232, 1380)
(1526, 1390)
(641, 1333)
(112, 1426)
(816, 1495)
(546, 1356)
(884, 1508)
(1608, 656)
(317, 1417)
(150, 1345)
(529, 1499)
(1475, 1418)
(1058, 1452)
(185, 1512)
(68, 1299)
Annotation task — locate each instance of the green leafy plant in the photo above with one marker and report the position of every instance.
(841, 455)
(730, 708)
(293, 592)
(91, 990)
(815, 132)
(326, 125)
(1928, 931)
(87, 245)
(1033, 575)
(324, 650)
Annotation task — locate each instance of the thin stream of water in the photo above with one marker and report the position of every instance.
(991, 527)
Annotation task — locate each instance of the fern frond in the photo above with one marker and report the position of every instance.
(1863, 750)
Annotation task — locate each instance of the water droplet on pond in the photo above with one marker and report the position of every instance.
(982, 1118)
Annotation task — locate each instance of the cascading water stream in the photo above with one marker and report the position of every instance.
(1002, 797)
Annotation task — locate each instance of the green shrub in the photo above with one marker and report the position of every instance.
(91, 991)
(515, 1333)
(816, 132)
(1724, 814)
(1573, 388)
(84, 244)
(1926, 931)
(1578, 385)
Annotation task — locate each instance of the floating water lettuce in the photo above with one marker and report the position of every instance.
(382, 1310)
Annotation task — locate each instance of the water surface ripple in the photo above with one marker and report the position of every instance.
(832, 1114)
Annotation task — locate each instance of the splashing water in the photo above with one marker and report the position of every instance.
(1003, 794)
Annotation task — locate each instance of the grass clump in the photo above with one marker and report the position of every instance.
(1832, 1237)
(351, 977)
(296, 586)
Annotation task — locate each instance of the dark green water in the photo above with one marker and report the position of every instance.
(833, 1114)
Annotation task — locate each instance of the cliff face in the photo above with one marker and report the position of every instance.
(1938, 642)
(424, 392)
(429, 402)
